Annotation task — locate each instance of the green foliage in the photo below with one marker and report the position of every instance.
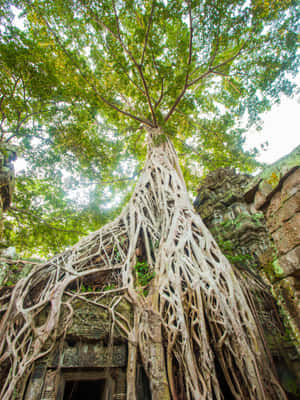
(85, 289)
(109, 287)
(257, 218)
(231, 252)
(89, 289)
(273, 269)
(77, 80)
(143, 275)
(237, 222)
(230, 245)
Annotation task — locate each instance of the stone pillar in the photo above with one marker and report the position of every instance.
(283, 221)
(256, 222)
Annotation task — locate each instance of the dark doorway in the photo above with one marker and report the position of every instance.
(84, 390)
(142, 384)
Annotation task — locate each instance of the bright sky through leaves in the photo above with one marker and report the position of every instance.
(81, 78)
(281, 129)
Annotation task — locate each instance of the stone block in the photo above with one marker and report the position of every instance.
(91, 355)
(287, 237)
(274, 205)
(259, 199)
(287, 290)
(36, 382)
(291, 185)
(287, 210)
(290, 207)
(50, 386)
(290, 262)
(93, 323)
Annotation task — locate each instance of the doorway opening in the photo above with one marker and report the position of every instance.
(84, 390)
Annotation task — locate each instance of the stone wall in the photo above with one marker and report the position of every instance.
(256, 222)
(283, 221)
(277, 194)
(84, 354)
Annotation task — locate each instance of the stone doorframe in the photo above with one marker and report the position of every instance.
(87, 375)
(79, 361)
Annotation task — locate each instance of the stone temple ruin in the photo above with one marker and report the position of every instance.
(256, 223)
(83, 365)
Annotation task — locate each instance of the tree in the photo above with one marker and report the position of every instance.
(40, 110)
(167, 71)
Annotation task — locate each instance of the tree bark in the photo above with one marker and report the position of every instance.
(190, 313)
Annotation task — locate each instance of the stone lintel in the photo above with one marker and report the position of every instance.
(91, 355)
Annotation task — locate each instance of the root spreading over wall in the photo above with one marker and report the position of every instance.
(192, 326)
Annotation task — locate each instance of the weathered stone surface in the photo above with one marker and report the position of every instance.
(240, 231)
(259, 199)
(50, 386)
(272, 178)
(220, 189)
(287, 237)
(290, 263)
(287, 210)
(291, 185)
(92, 355)
(236, 225)
(36, 383)
(289, 291)
(274, 205)
(93, 323)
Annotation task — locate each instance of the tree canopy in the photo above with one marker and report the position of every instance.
(79, 79)
(92, 80)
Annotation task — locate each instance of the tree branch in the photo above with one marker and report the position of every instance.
(2, 99)
(147, 95)
(161, 94)
(215, 52)
(156, 103)
(188, 64)
(21, 121)
(191, 36)
(3, 118)
(17, 261)
(92, 85)
(117, 18)
(117, 36)
(213, 69)
(125, 72)
(200, 77)
(147, 32)
(230, 59)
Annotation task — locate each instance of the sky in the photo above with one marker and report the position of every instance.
(281, 128)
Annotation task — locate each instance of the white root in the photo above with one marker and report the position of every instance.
(194, 316)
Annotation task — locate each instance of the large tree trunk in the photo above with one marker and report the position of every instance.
(193, 326)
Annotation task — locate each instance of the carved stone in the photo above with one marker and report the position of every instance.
(256, 222)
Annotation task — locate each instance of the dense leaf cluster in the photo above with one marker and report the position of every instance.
(79, 79)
